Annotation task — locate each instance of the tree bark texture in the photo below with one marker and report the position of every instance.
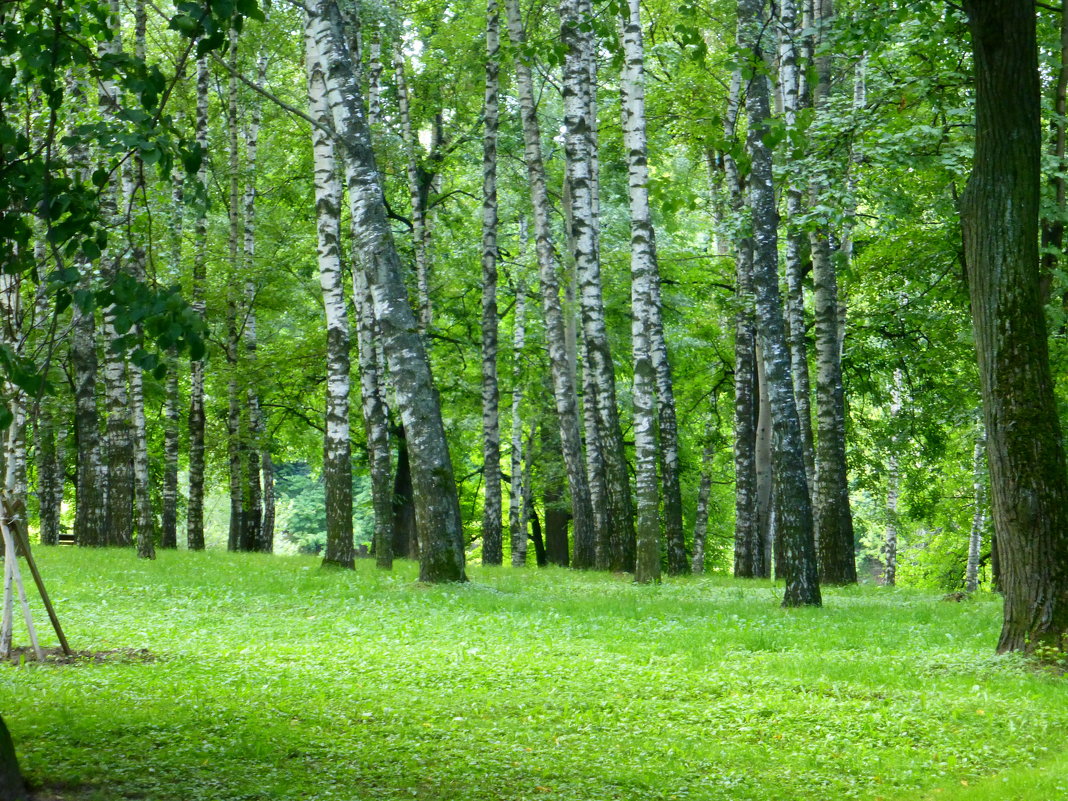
(795, 512)
(563, 386)
(90, 515)
(492, 525)
(195, 510)
(975, 539)
(337, 457)
(437, 507)
(999, 217)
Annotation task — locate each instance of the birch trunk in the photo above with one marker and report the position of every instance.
(563, 387)
(492, 534)
(518, 492)
(790, 84)
(238, 536)
(833, 516)
(337, 458)
(90, 517)
(795, 518)
(746, 530)
(171, 413)
(700, 525)
(195, 511)
(893, 482)
(145, 518)
(437, 506)
(599, 365)
(256, 446)
(49, 474)
(975, 540)
(417, 193)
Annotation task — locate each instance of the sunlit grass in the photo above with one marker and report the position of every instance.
(273, 679)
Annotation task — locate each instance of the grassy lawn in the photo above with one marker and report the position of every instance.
(268, 678)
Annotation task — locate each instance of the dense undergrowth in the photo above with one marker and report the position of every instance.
(269, 678)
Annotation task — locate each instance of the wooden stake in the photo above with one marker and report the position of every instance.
(11, 557)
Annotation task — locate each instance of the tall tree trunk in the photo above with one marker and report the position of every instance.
(517, 505)
(195, 511)
(492, 534)
(794, 516)
(437, 507)
(583, 238)
(563, 387)
(700, 525)
(237, 539)
(833, 516)
(634, 124)
(337, 458)
(999, 217)
(256, 445)
(552, 495)
(790, 32)
(145, 518)
(49, 474)
(746, 397)
(171, 413)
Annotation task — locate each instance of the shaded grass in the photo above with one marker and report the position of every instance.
(274, 679)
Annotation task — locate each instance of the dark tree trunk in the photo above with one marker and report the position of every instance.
(795, 511)
(999, 217)
(405, 539)
(540, 554)
(11, 785)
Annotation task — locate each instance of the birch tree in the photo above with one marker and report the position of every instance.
(794, 512)
(492, 534)
(436, 503)
(337, 459)
(563, 386)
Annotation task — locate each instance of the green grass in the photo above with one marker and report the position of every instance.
(274, 679)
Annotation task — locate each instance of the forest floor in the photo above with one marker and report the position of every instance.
(253, 677)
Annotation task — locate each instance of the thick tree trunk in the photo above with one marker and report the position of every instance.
(195, 511)
(492, 534)
(563, 386)
(583, 238)
(833, 516)
(794, 517)
(552, 496)
(437, 508)
(999, 217)
(337, 457)
(405, 534)
(145, 518)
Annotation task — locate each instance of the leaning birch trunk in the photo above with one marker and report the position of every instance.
(833, 516)
(746, 530)
(437, 508)
(893, 481)
(790, 32)
(795, 518)
(417, 195)
(643, 247)
(975, 540)
(337, 458)
(195, 510)
(563, 387)
(492, 534)
(599, 364)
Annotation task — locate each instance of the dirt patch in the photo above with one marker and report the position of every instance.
(24, 655)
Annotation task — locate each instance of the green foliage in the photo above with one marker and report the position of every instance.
(301, 510)
(270, 678)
